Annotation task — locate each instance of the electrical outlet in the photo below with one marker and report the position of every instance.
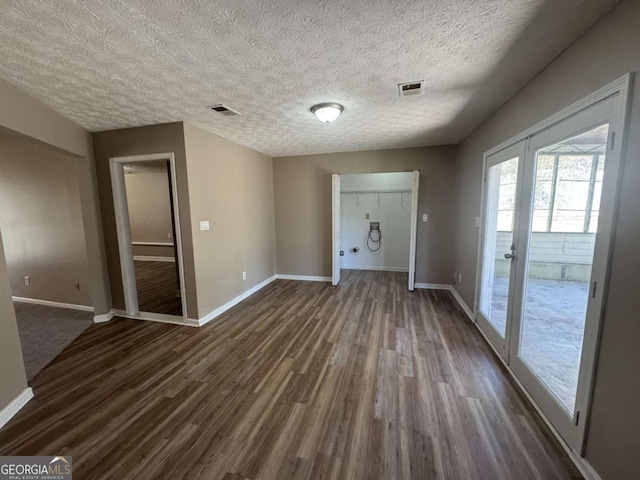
(342, 253)
(27, 280)
(459, 278)
(425, 217)
(78, 286)
(244, 275)
(477, 222)
(169, 236)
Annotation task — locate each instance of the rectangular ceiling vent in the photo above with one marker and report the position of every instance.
(411, 88)
(224, 110)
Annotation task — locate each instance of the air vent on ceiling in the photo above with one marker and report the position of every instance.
(223, 109)
(411, 88)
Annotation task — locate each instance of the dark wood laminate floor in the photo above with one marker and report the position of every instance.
(302, 380)
(157, 284)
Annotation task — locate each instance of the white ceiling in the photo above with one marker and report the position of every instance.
(118, 63)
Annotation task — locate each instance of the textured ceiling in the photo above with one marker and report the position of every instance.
(118, 63)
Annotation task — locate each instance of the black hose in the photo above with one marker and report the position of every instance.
(378, 241)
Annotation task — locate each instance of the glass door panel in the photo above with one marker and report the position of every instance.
(566, 202)
(501, 192)
(501, 196)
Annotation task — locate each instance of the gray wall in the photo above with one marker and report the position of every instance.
(606, 52)
(150, 212)
(23, 115)
(232, 187)
(168, 137)
(41, 222)
(303, 207)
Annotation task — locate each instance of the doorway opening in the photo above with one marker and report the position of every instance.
(375, 223)
(149, 241)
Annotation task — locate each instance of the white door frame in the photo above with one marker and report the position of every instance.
(335, 222)
(413, 238)
(335, 232)
(123, 227)
(618, 133)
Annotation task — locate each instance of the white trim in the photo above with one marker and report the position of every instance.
(49, 303)
(123, 228)
(413, 235)
(585, 468)
(336, 218)
(463, 305)
(232, 303)
(379, 269)
(153, 244)
(104, 317)
(152, 258)
(456, 295)
(433, 286)
(156, 317)
(619, 86)
(303, 278)
(15, 406)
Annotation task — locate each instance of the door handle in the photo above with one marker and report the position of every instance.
(510, 256)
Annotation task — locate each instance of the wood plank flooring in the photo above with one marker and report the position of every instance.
(302, 380)
(157, 284)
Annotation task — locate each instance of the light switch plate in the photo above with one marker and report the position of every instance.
(425, 217)
(204, 225)
(478, 222)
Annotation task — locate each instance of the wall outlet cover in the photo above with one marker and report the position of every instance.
(425, 217)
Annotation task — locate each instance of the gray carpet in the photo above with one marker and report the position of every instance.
(46, 331)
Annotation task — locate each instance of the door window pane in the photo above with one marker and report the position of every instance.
(559, 264)
(501, 200)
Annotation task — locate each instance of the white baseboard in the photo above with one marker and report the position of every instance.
(585, 468)
(303, 278)
(232, 303)
(432, 286)
(103, 317)
(14, 407)
(153, 244)
(151, 258)
(378, 269)
(156, 317)
(463, 305)
(48, 303)
(456, 295)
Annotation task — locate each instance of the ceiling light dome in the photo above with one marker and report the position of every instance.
(327, 112)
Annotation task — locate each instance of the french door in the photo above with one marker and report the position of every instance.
(549, 205)
(503, 189)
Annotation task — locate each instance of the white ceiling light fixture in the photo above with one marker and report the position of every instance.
(327, 112)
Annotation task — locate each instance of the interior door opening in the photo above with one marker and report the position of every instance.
(152, 227)
(375, 223)
(149, 240)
